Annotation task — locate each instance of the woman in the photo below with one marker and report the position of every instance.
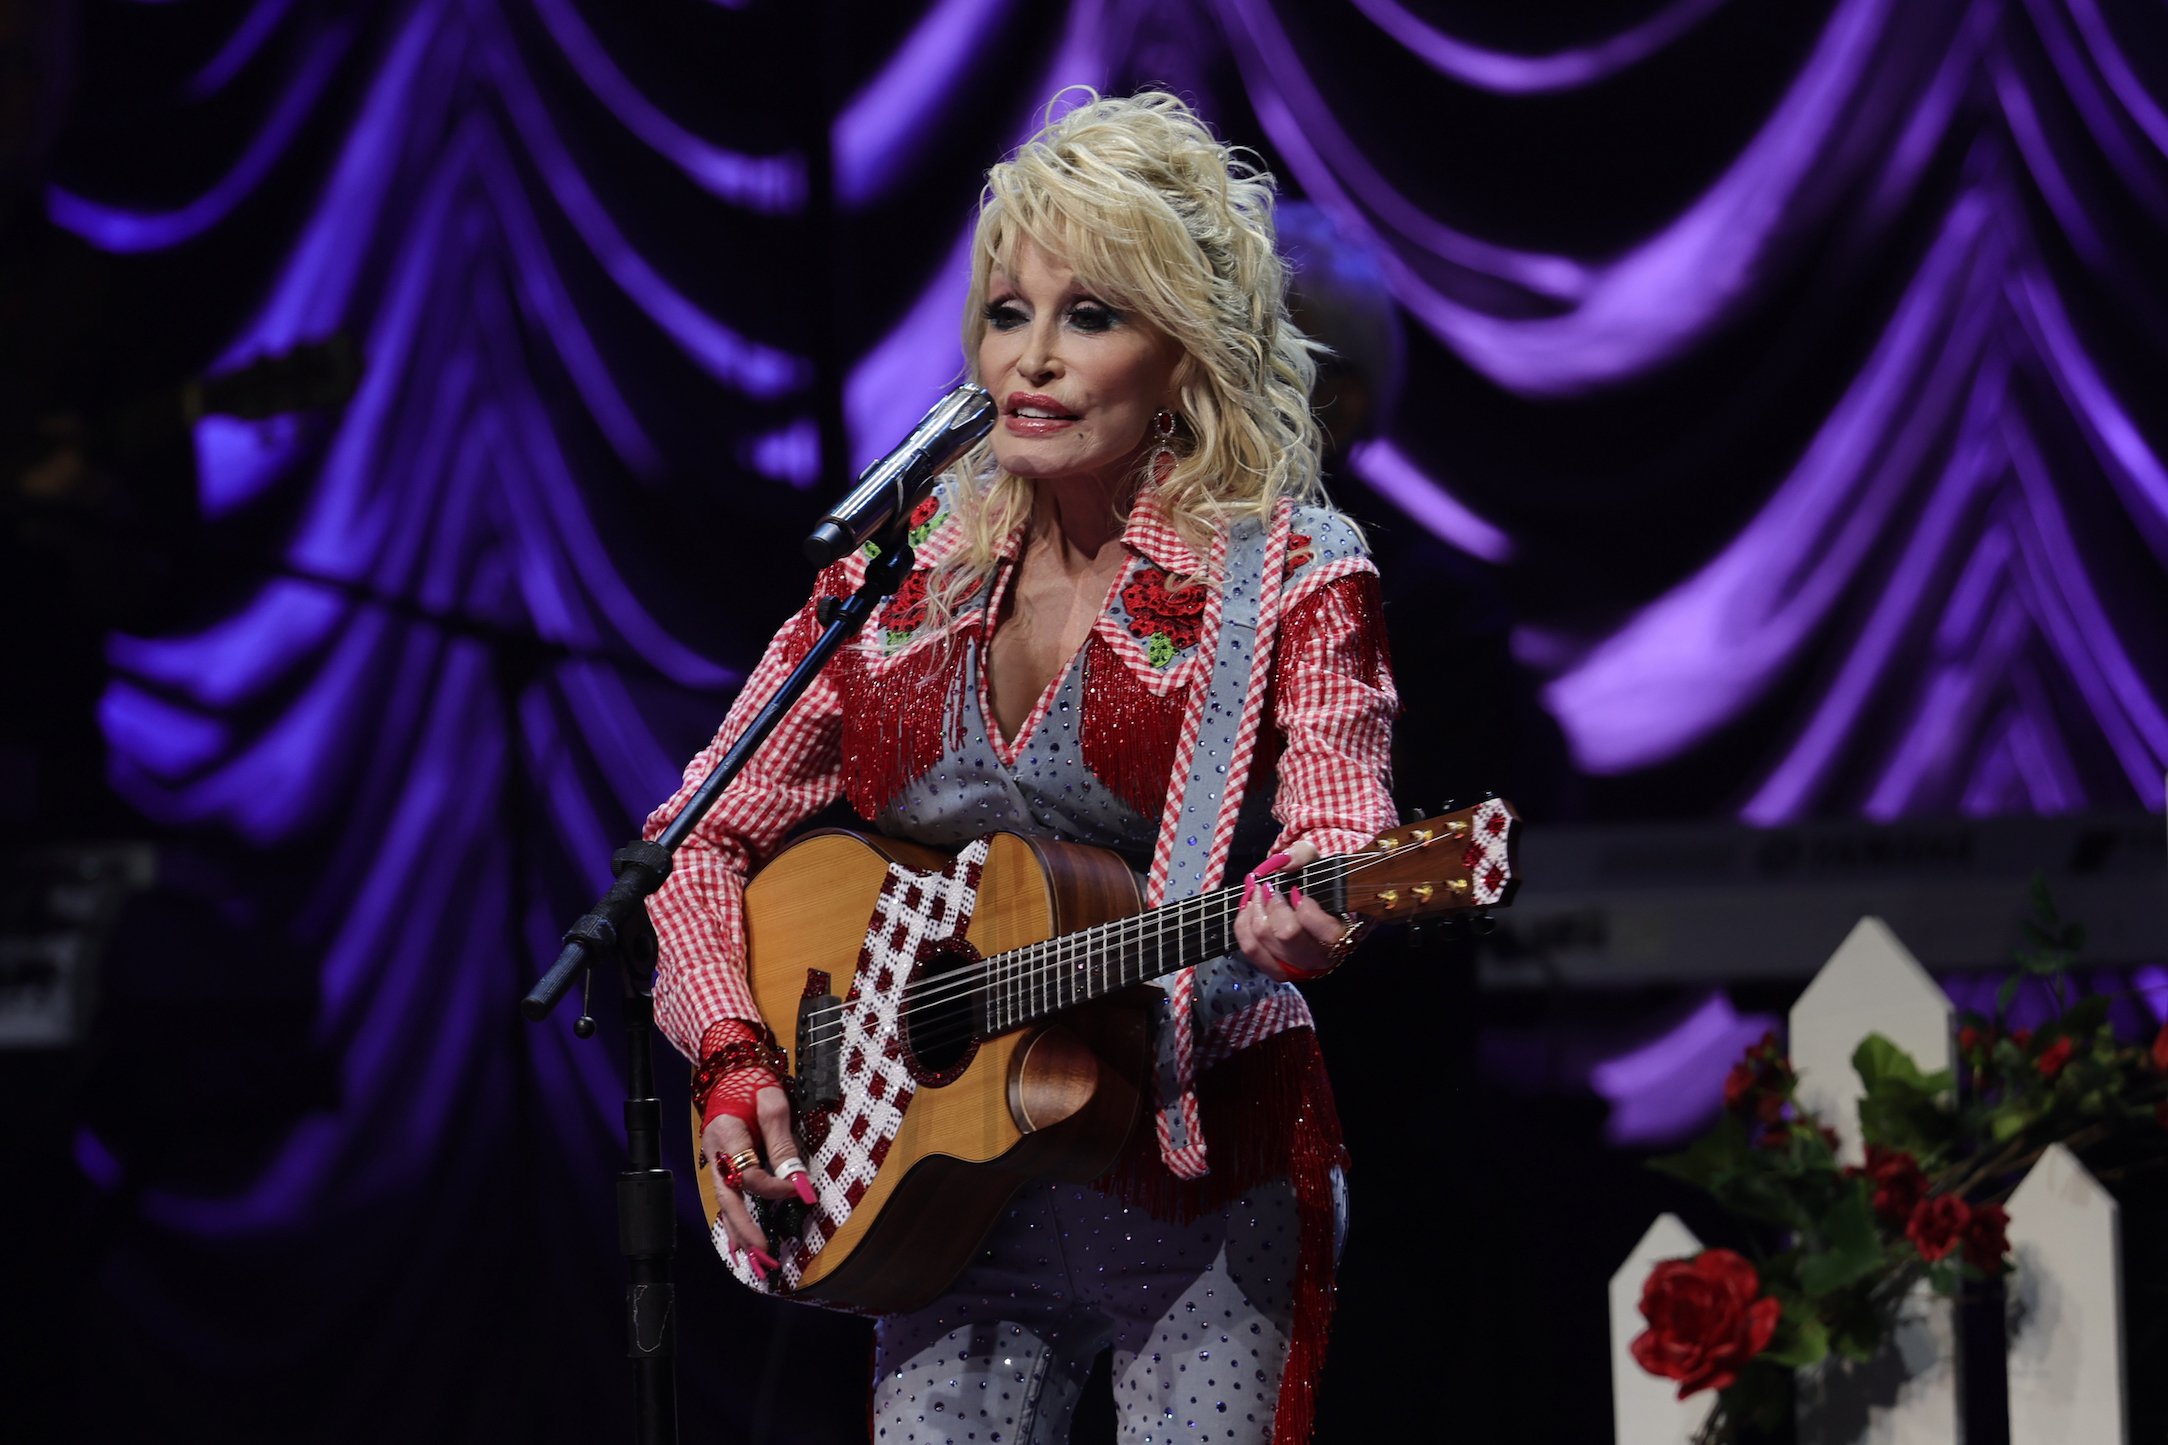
(1130, 624)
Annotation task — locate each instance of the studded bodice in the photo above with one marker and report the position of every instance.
(1047, 792)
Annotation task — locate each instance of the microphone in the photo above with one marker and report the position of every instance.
(894, 484)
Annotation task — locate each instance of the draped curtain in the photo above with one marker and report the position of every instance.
(1780, 437)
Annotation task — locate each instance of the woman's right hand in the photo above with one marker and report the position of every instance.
(776, 1171)
(748, 1140)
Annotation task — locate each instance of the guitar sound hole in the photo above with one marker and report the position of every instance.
(941, 1012)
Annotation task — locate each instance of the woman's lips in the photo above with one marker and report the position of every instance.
(1036, 426)
(1050, 416)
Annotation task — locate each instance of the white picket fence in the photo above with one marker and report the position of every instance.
(2065, 1315)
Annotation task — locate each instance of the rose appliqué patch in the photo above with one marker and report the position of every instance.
(1167, 621)
(925, 517)
(1299, 554)
(905, 612)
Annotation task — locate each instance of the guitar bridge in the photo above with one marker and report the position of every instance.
(818, 1081)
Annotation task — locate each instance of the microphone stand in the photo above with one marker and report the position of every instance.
(617, 926)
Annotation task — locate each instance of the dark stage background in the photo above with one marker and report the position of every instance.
(1770, 430)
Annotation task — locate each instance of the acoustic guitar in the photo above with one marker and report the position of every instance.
(960, 1024)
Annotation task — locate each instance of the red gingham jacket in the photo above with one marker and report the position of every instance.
(1329, 734)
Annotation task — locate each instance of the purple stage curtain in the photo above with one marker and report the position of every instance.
(1781, 436)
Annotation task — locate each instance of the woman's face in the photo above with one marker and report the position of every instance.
(1077, 381)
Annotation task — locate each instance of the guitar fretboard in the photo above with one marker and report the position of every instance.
(1027, 984)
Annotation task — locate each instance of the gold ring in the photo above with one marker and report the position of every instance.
(1345, 943)
(743, 1160)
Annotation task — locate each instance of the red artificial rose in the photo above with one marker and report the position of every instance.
(1970, 1040)
(1705, 1322)
(2160, 1049)
(1755, 1088)
(1898, 1183)
(1938, 1225)
(1829, 1139)
(2022, 1038)
(1739, 1086)
(1985, 1240)
(2053, 1057)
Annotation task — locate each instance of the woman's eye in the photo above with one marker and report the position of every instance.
(1004, 315)
(1091, 316)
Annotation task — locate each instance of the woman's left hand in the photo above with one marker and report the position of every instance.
(1283, 932)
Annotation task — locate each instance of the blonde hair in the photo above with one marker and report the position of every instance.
(1160, 220)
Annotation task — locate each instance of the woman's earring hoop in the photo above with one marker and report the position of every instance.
(1162, 443)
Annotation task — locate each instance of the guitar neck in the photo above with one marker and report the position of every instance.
(1028, 984)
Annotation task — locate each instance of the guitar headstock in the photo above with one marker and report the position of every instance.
(1457, 861)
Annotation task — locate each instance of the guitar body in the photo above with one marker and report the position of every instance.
(1051, 1101)
(960, 1024)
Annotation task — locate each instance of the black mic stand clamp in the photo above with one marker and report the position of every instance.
(617, 926)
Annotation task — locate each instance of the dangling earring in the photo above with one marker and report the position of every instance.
(1162, 444)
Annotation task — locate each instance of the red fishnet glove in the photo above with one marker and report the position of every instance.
(734, 1092)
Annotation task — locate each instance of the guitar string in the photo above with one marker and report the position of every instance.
(1026, 975)
(1036, 970)
(1033, 975)
(1022, 971)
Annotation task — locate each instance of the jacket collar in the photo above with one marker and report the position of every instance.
(1147, 533)
(1150, 534)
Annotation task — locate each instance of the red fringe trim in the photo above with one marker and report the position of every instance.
(1347, 607)
(1269, 1113)
(1129, 733)
(900, 721)
(1351, 605)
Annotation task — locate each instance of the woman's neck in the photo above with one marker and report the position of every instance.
(1076, 521)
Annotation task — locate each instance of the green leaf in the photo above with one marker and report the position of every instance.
(1721, 1151)
(2008, 1124)
(1880, 1063)
(1798, 1342)
(2007, 994)
(2081, 1019)
(1850, 1251)
(1860, 1343)
(1764, 1196)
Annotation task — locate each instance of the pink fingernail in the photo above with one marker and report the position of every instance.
(1249, 889)
(765, 1259)
(1275, 863)
(804, 1187)
(1271, 894)
(752, 1262)
(1294, 896)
